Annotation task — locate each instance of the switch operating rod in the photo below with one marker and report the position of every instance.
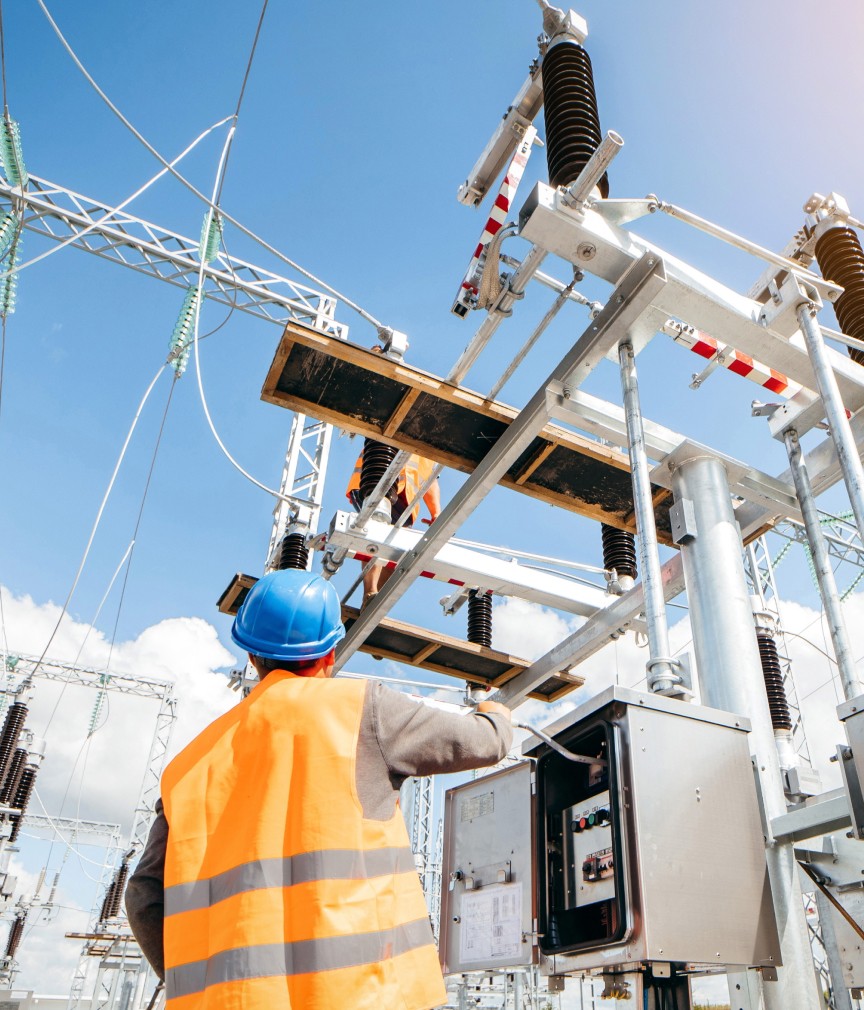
(582, 759)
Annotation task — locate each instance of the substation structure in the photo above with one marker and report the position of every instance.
(111, 962)
(637, 845)
(645, 839)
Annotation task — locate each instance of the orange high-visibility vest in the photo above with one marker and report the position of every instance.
(411, 478)
(278, 892)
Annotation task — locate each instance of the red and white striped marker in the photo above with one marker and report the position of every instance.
(742, 364)
(470, 286)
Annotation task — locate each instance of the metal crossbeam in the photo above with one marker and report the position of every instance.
(74, 828)
(461, 566)
(624, 312)
(67, 673)
(58, 213)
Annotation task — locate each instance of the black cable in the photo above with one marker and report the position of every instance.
(138, 522)
(240, 97)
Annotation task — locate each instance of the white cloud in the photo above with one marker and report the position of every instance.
(100, 778)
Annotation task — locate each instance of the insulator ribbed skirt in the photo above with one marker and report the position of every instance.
(480, 618)
(571, 115)
(619, 551)
(293, 552)
(780, 716)
(376, 458)
(841, 259)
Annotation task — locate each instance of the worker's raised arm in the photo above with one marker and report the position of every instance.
(419, 739)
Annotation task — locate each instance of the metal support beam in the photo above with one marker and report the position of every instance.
(730, 678)
(61, 214)
(587, 240)
(624, 311)
(660, 669)
(824, 572)
(815, 817)
(835, 411)
(604, 627)
(459, 565)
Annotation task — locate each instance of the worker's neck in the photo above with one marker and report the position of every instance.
(322, 667)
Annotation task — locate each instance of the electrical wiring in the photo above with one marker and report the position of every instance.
(114, 210)
(131, 551)
(193, 189)
(98, 519)
(213, 203)
(69, 845)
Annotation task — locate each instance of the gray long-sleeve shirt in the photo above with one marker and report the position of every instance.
(398, 738)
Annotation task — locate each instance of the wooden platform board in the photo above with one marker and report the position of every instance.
(475, 664)
(364, 393)
(427, 650)
(236, 592)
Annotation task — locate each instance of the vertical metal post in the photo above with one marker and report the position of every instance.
(840, 997)
(730, 677)
(744, 990)
(835, 412)
(660, 667)
(822, 564)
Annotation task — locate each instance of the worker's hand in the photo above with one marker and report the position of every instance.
(495, 707)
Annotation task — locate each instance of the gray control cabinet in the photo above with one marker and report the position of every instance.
(650, 850)
(487, 885)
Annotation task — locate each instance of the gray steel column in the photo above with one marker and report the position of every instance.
(745, 990)
(822, 565)
(660, 669)
(840, 996)
(730, 678)
(835, 413)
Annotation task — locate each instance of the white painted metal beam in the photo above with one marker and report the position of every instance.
(594, 244)
(460, 566)
(625, 312)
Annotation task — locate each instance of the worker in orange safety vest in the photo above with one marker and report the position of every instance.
(412, 477)
(278, 872)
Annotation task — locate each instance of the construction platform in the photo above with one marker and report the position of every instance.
(364, 393)
(429, 650)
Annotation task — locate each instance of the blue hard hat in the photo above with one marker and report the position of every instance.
(292, 615)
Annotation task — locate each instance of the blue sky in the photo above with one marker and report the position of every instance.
(359, 123)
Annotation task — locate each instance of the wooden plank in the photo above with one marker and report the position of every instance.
(545, 451)
(399, 414)
(424, 653)
(366, 394)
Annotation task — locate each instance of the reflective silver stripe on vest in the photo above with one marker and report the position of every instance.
(298, 958)
(327, 864)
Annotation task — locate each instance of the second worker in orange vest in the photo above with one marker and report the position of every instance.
(279, 875)
(412, 477)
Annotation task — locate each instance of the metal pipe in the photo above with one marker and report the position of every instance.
(847, 341)
(718, 231)
(554, 284)
(540, 329)
(730, 677)
(852, 687)
(840, 998)
(514, 291)
(578, 192)
(835, 413)
(660, 666)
